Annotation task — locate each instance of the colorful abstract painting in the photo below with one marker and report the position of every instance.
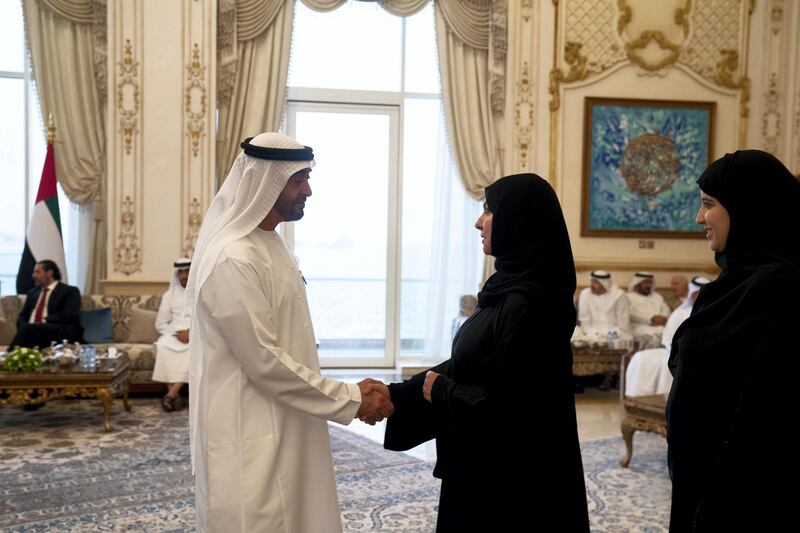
(641, 159)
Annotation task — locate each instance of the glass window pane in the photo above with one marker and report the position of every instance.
(422, 66)
(12, 174)
(12, 42)
(357, 46)
(341, 243)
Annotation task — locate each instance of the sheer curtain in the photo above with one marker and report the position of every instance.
(455, 252)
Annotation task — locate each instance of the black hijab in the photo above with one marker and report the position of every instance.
(529, 241)
(762, 198)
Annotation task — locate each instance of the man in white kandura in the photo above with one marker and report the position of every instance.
(259, 406)
(172, 347)
(647, 373)
(602, 306)
(648, 310)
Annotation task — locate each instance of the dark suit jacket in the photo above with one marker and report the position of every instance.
(63, 308)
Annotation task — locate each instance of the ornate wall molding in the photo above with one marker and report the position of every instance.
(127, 253)
(193, 223)
(707, 37)
(523, 114)
(771, 129)
(128, 96)
(195, 100)
(527, 10)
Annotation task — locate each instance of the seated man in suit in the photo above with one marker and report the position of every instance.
(51, 312)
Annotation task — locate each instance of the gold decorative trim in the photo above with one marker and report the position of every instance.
(524, 126)
(635, 264)
(127, 254)
(527, 10)
(644, 39)
(724, 78)
(577, 71)
(128, 108)
(776, 16)
(194, 222)
(133, 288)
(195, 83)
(771, 118)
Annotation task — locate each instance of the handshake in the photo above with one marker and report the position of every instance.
(375, 401)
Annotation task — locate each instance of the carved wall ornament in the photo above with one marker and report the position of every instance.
(523, 114)
(527, 10)
(127, 253)
(724, 77)
(128, 96)
(195, 102)
(670, 51)
(577, 71)
(771, 118)
(195, 220)
(776, 16)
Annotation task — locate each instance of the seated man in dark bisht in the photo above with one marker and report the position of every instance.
(51, 311)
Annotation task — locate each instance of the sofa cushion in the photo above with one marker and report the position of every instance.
(11, 305)
(97, 325)
(142, 326)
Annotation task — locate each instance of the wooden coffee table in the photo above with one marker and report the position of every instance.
(51, 381)
(591, 360)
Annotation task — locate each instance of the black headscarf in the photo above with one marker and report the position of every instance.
(730, 361)
(529, 241)
(762, 198)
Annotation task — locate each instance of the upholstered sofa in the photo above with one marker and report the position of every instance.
(133, 321)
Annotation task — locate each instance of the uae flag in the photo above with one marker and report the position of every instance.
(43, 240)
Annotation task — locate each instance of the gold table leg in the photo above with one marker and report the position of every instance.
(106, 396)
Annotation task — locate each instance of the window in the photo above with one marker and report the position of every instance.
(386, 245)
(22, 149)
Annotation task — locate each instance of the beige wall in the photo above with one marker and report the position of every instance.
(170, 181)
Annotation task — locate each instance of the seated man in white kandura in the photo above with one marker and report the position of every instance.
(647, 373)
(648, 309)
(172, 348)
(602, 310)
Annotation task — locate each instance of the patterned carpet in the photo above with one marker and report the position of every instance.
(59, 471)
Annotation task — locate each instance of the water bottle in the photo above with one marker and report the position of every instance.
(88, 357)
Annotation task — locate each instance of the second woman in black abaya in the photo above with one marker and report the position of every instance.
(502, 408)
(732, 460)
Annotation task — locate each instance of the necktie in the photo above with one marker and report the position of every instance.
(37, 317)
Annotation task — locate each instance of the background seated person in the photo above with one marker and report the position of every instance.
(647, 373)
(466, 306)
(51, 311)
(172, 348)
(648, 310)
(602, 311)
(680, 287)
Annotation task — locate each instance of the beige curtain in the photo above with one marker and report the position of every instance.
(66, 49)
(400, 8)
(471, 42)
(253, 58)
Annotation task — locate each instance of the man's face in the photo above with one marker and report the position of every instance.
(292, 200)
(597, 287)
(41, 277)
(680, 286)
(183, 276)
(644, 287)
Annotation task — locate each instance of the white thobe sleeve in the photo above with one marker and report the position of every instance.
(663, 309)
(584, 316)
(235, 297)
(639, 314)
(164, 317)
(622, 313)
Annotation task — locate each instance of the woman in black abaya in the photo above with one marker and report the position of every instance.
(501, 408)
(735, 360)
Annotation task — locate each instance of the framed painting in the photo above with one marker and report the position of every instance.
(641, 159)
